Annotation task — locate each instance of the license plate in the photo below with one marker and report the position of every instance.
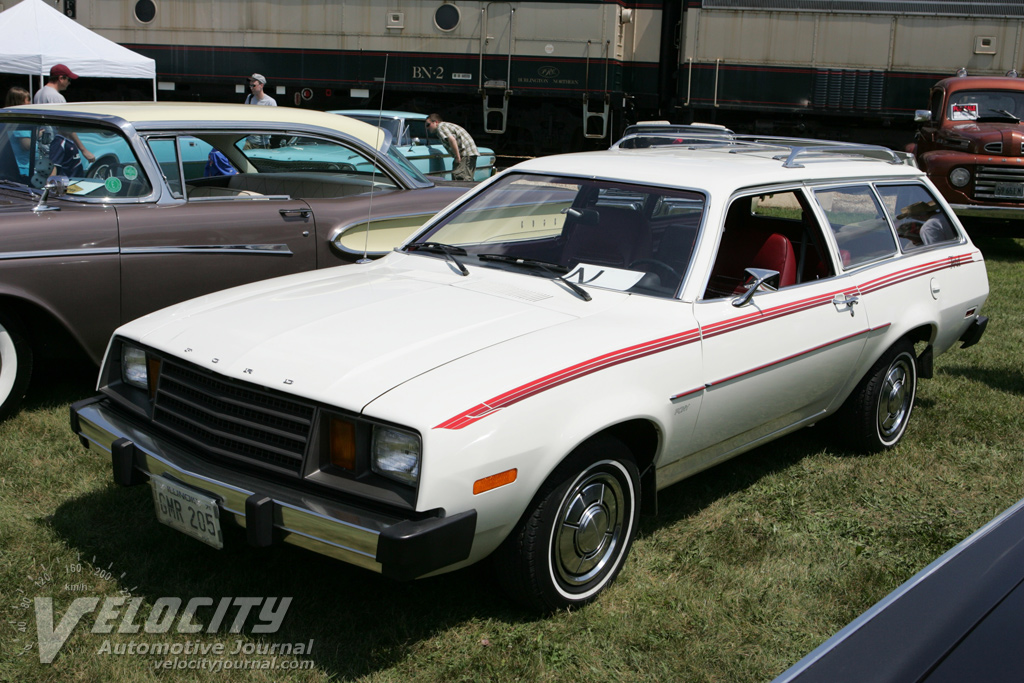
(1012, 190)
(187, 510)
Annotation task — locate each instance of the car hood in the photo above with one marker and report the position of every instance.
(346, 335)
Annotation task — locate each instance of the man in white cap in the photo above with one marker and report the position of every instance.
(256, 94)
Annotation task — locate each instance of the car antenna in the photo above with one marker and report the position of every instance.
(373, 173)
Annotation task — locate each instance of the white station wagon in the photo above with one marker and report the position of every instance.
(520, 379)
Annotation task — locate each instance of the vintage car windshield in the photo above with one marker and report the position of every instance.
(970, 105)
(99, 161)
(596, 233)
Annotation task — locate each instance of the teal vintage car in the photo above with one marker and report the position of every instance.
(409, 134)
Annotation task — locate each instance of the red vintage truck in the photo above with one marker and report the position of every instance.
(971, 144)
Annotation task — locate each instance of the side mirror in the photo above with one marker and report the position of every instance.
(56, 186)
(415, 141)
(760, 279)
(922, 116)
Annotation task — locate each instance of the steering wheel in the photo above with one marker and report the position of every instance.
(104, 167)
(664, 271)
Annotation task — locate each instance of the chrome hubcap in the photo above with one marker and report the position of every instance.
(895, 399)
(590, 527)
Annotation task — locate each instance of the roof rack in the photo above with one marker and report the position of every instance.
(809, 149)
(793, 150)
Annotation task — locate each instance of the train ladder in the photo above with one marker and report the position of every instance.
(596, 117)
(499, 114)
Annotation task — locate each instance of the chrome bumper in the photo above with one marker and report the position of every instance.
(395, 546)
(1007, 213)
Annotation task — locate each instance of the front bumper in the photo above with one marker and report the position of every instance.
(396, 546)
(1006, 213)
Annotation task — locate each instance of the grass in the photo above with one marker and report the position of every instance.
(746, 568)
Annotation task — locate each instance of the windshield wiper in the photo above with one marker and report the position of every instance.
(448, 250)
(1003, 112)
(555, 269)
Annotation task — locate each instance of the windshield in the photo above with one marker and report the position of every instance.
(99, 162)
(595, 233)
(971, 105)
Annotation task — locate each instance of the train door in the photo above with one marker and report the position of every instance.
(496, 46)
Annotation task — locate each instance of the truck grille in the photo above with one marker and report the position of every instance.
(235, 420)
(998, 182)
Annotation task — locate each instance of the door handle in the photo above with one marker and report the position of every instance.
(847, 301)
(296, 213)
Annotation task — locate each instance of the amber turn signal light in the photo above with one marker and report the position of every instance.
(494, 481)
(343, 444)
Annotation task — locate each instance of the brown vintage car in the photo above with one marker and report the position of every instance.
(113, 210)
(971, 144)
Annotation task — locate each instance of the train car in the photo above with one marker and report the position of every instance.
(541, 76)
(523, 75)
(835, 68)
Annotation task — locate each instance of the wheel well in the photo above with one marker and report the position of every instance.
(46, 335)
(641, 438)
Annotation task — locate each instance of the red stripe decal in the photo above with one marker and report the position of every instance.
(573, 372)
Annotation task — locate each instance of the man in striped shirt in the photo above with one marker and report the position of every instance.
(459, 143)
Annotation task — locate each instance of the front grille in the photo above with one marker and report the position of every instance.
(994, 147)
(231, 419)
(999, 183)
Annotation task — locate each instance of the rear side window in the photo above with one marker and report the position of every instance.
(858, 223)
(920, 221)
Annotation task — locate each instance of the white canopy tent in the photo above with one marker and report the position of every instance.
(35, 36)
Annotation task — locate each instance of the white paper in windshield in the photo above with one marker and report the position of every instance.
(604, 276)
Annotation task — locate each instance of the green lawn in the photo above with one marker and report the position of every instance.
(747, 567)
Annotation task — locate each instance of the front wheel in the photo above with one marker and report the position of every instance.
(573, 540)
(877, 413)
(15, 365)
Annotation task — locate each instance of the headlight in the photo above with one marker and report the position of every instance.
(133, 366)
(396, 454)
(139, 369)
(959, 177)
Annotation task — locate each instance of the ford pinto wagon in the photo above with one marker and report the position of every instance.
(971, 145)
(519, 379)
(113, 210)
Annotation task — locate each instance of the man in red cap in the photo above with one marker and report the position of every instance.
(59, 80)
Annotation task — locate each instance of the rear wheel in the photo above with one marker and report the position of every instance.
(573, 540)
(15, 364)
(877, 413)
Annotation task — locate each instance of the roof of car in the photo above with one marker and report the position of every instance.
(981, 83)
(716, 167)
(385, 113)
(147, 114)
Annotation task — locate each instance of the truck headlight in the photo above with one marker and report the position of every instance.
(959, 177)
(396, 454)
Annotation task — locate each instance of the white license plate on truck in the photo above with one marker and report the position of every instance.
(187, 510)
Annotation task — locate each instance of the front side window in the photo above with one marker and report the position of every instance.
(858, 223)
(919, 220)
(593, 233)
(99, 162)
(770, 232)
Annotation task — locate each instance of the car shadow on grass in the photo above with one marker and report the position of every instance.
(360, 622)
(60, 381)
